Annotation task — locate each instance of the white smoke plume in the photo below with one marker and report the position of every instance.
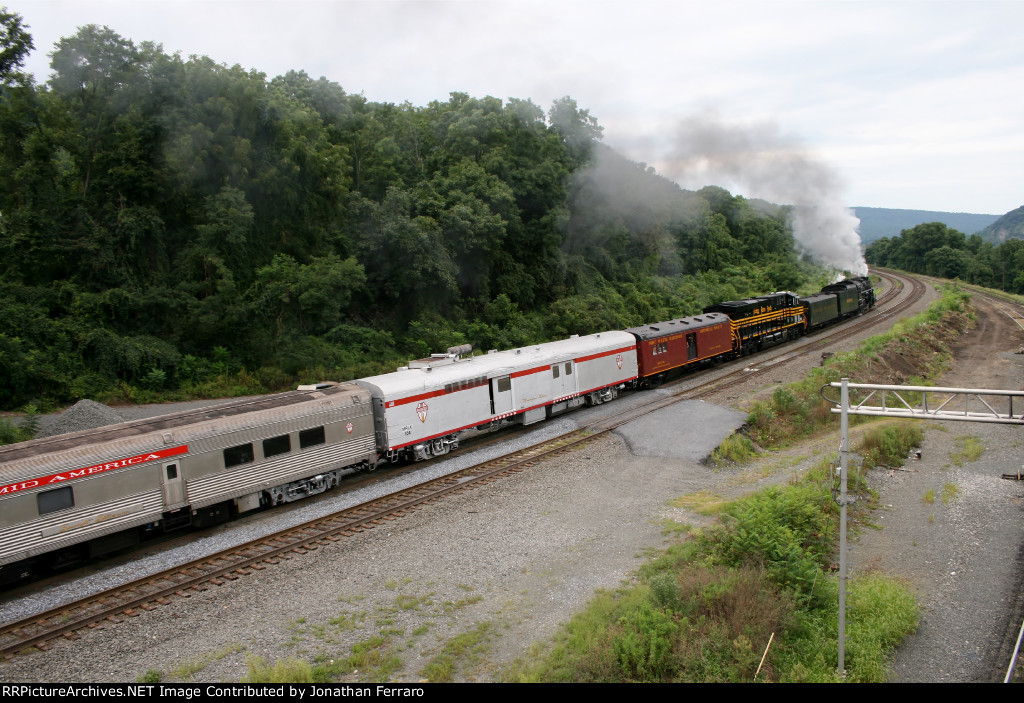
(765, 164)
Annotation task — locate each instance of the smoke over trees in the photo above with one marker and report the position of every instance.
(768, 165)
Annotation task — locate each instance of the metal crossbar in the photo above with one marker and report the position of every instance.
(936, 403)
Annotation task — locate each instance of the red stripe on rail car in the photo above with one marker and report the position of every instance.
(415, 398)
(528, 372)
(606, 353)
(92, 470)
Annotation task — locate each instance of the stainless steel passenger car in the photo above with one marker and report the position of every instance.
(420, 410)
(91, 492)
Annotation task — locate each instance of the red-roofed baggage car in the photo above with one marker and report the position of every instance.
(689, 341)
(420, 410)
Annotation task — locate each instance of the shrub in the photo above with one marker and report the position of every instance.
(889, 444)
(644, 644)
(665, 591)
(735, 448)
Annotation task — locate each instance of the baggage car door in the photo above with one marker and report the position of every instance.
(501, 395)
(563, 379)
(173, 486)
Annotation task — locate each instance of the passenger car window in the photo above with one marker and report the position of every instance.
(311, 437)
(277, 445)
(242, 454)
(58, 499)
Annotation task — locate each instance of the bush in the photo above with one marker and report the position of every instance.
(735, 448)
(665, 591)
(889, 444)
(645, 643)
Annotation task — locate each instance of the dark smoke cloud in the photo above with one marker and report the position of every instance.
(766, 164)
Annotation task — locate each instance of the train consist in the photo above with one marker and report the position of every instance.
(85, 494)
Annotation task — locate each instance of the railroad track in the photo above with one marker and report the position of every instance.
(73, 620)
(1008, 308)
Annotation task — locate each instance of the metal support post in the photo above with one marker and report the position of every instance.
(844, 458)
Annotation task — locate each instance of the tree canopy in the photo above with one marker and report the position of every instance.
(934, 249)
(166, 222)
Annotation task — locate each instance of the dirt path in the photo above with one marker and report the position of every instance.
(954, 529)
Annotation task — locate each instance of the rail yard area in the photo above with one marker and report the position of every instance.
(462, 587)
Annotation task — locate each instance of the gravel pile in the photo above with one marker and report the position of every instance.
(83, 415)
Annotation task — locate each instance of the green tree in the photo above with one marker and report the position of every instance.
(946, 262)
(917, 241)
(577, 127)
(15, 45)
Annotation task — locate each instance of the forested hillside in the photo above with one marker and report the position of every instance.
(1009, 226)
(174, 226)
(935, 249)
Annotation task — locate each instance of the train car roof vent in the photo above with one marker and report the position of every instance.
(168, 438)
(655, 328)
(316, 386)
(432, 361)
(492, 351)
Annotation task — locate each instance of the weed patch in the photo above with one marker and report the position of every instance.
(889, 444)
(462, 650)
(950, 492)
(702, 502)
(735, 449)
(971, 449)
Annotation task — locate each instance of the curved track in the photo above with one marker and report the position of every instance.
(72, 620)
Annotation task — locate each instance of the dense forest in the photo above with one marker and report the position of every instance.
(937, 250)
(173, 227)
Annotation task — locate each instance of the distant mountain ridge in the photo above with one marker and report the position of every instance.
(1009, 226)
(878, 222)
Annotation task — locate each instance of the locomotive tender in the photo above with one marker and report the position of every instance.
(90, 493)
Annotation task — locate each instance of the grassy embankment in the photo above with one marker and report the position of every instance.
(707, 608)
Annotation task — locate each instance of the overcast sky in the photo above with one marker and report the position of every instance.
(916, 104)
